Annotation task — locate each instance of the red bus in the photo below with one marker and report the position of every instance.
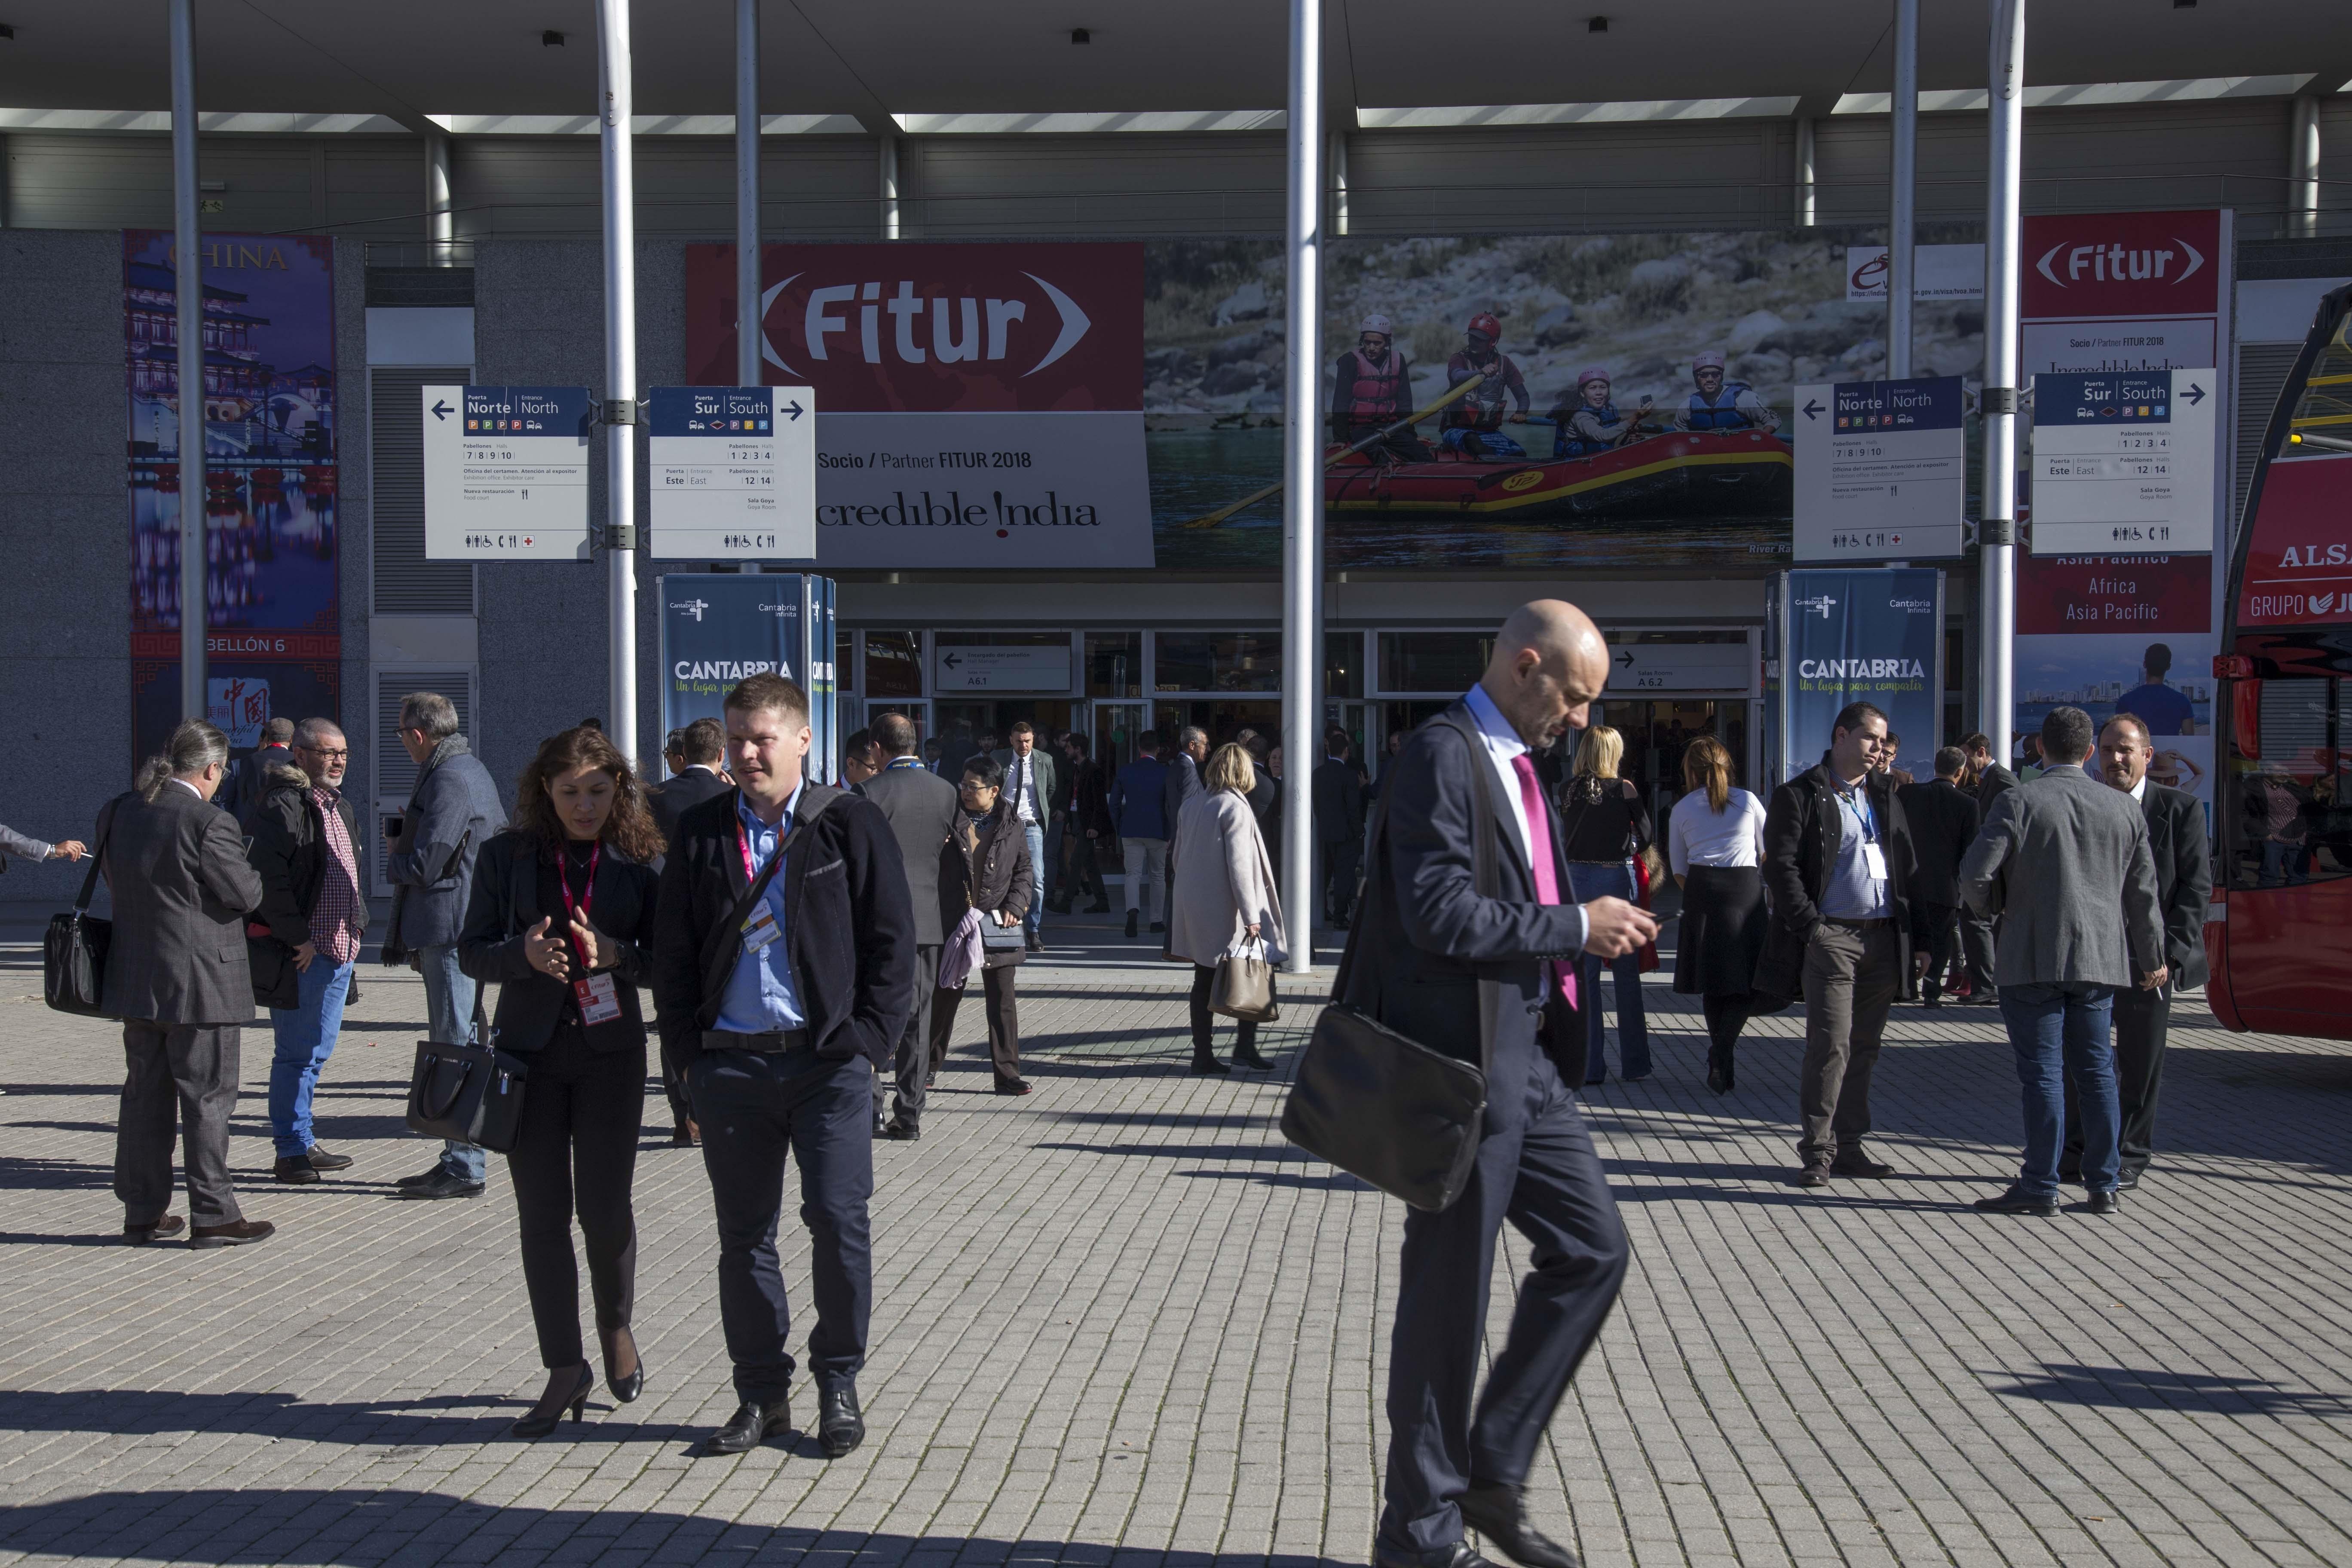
(2279, 931)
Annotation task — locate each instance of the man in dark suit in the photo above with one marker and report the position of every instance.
(921, 808)
(1943, 819)
(248, 776)
(1989, 778)
(1486, 976)
(2184, 885)
(1837, 865)
(700, 744)
(1338, 826)
(790, 1006)
(176, 976)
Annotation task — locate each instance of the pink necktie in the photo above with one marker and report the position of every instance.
(1539, 859)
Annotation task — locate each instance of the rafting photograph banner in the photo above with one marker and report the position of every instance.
(1610, 401)
(274, 612)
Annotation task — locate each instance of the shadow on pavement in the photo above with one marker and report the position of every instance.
(2129, 1388)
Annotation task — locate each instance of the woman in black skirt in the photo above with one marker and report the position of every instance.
(1715, 845)
(562, 914)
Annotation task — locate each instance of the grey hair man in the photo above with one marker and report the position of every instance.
(429, 852)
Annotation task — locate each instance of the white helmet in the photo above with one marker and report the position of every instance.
(1375, 322)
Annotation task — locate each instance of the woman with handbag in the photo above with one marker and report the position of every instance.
(1606, 825)
(1222, 896)
(562, 914)
(1714, 842)
(984, 908)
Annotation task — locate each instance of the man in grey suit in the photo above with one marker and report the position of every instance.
(176, 976)
(921, 807)
(1029, 781)
(2052, 856)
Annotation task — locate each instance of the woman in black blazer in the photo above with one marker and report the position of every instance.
(562, 915)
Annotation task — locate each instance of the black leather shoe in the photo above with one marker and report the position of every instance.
(238, 1233)
(155, 1230)
(545, 1417)
(840, 1427)
(2126, 1178)
(625, 1389)
(2105, 1200)
(1130, 922)
(421, 1177)
(1499, 1513)
(1387, 1556)
(1857, 1164)
(1158, 928)
(902, 1132)
(443, 1185)
(1812, 1176)
(2015, 1202)
(1013, 1086)
(751, 1426)
(1247, 1056)
(1029, 941)
(295, 1169)
(1206, 1063)
(326, 1159)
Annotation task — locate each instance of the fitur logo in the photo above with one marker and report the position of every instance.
(957, 331)
(2116, 263)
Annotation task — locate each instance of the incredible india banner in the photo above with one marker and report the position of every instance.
(274, 619)
(1624, 401)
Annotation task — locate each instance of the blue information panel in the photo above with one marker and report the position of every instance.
(1882, 468)
(718, 628)
(1841, 636)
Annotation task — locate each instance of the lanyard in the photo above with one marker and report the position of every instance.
(743, 847)
(1862, 812)
(588, 895)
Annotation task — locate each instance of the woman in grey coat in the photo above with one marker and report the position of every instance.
(1222, 891)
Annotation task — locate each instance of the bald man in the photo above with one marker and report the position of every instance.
(1484, 972)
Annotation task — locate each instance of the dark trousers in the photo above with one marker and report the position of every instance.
(2142, 1019)
(1536, 1168)
(576, 1153)
(1338, 858)
(1004, 1020)
(1080, 871)
(1977, 951)
(756, 1107)
(913, 1061)
(1204, 1023)
(673, 1073)
(190, 1068)
(1938, 936)
(1850, 983)
(1726, 1016)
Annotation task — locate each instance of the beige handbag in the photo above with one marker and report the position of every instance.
(1245, 984)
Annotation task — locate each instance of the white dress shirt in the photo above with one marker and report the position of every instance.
(1699, 834)
(1503, 743)
(1022, 780)
(186, 785)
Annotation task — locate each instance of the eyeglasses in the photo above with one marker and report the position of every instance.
(327, 756)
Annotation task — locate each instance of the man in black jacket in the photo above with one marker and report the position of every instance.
(1837, 867)
(1944, 822)
(305, 846)
(2184, 885)
(783, 953)
(700, 745)
(1976, 931)
(921, 808)
(1338, 804)
(1485, 976)
(248, 776)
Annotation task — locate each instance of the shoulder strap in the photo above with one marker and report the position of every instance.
(90, 882)
(1483, 874)
(730, 949)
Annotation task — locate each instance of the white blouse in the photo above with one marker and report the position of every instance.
(1698, 836)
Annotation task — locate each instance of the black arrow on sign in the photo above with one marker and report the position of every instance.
(441, 410)
(953, 660)
(1812, 409)
(1626, 659)
(2195, 392)
(794, 410)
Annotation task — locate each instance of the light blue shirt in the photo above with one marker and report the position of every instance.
(1503, 743)
(1852, 893)
(760, 998)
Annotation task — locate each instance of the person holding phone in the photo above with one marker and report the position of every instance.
(995, 884)
(563, 917)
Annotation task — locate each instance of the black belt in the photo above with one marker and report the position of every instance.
(775, 1042)
(1856, 925)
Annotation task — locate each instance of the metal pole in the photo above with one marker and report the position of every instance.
(747, 194)
(1302, 474)
(1902, 203)
(1338, 184)
(889, 183)
(2303, 170)
(620, 365)
(440, 223)
(188, 280)
(1997, 535)
(1804, 180)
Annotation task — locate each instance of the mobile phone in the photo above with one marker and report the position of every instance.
(392, 827)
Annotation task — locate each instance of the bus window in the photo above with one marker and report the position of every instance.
(2288, 774)
(2323, 415)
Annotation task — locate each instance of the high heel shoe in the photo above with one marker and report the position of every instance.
(544, 1416)
(625, 1389)
(1247, 1056)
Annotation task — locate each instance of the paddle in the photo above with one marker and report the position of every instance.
(1214, 517)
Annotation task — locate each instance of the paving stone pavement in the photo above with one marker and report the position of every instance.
(1120, 1323)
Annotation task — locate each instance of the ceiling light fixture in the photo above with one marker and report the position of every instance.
(550, 39)
(1081, 35)
(1596, 23)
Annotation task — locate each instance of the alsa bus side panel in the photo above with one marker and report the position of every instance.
(2287, 959)
(2296, 572)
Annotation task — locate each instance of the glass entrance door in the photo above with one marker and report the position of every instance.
(1116, 725)
(1657, 729)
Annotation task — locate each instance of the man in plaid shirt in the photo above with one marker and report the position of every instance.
(306, 935)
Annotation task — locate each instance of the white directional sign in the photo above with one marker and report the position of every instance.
(733, 473)
(966, 666)
(2123, 463)
(1881, 470)
(1673, 664)
(505, 473)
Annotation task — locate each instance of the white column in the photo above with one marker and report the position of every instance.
(1902, 223)
(889, 172)
(615, 104)
(1996, 560)
(1804, 171)
(1302, 480)
(188, 272)
(2302, 168)
(746, 195)
(440, 222)
(1338, 183)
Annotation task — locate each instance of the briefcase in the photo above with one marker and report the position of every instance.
(469, 1093)
(1244, 988)
(73, 953)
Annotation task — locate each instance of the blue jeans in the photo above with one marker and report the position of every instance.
(1590, 882)
(1035, 836)
(450, 1018)
(2057, 1030)
(306, 1038)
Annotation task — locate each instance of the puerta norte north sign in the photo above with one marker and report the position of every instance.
(2123, 463)
(1881, 470)
(506, 472)
(733, 473)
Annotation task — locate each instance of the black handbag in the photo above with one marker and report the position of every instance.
(73, 953)
(1403, 1117)
(471, 1093)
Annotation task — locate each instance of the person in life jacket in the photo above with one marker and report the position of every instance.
(1720, 405)
(1589, 422)
(1371, 389)
(1473, 421)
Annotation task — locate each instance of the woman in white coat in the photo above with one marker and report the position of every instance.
(1222, 890)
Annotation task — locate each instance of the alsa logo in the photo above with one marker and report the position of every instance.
(964, 329)
(1860, 669)
(2308, 555)
(2176, 263)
